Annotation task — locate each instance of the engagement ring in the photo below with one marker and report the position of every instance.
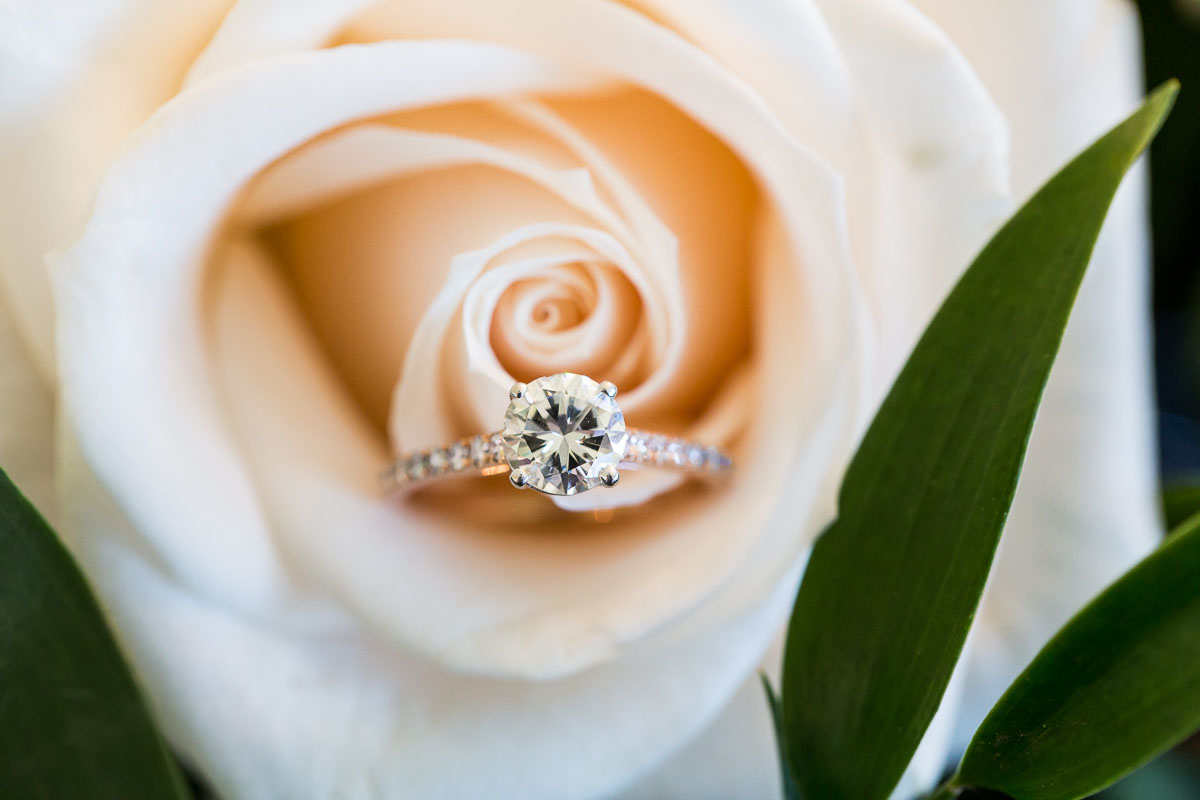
(563, 434)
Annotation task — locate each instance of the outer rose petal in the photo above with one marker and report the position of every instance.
(78, 78)
(1063, 72)
(26, 421)
(850, 77)
(271, 715)
(733, 759)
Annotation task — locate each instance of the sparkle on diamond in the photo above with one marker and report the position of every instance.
(563, 431)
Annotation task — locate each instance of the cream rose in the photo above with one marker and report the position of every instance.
(286, 239)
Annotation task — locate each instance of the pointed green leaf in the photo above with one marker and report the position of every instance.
(1119, 684)
(72, 723)
(892, 586)
(787, 782)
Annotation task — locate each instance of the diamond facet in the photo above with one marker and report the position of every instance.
(563, 431)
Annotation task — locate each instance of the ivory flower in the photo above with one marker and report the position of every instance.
(287, 239)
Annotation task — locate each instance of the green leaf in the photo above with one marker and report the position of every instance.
(891, 588)
(1179, 502)
(72, 723)
(1119, 684)
(790, 792)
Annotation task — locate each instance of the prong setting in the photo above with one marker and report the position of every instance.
(609, 475)
(609, 388)
(564, 429)
(519, 477)
(517, 390)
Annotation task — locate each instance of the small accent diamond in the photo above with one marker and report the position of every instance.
(717, 461)
(479, 451)
(460, 456)
(638, 448)
(417, 467)
(439, 460)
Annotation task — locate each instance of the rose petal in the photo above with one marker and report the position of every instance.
(941, 184)
(364, 719)
(77, 80)
(1085, 507)
(875, 76)
(344, 260)
(381, 254)
(487, 380)
(356, 158)
(583, 313)
(736, 757)
(131, 350)
(489, 596)
(420, 417)
(202, 514)
(733, 759)
(577, 33)
(26, 422)
(258, 29)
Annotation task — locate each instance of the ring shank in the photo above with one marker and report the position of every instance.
(484, 455)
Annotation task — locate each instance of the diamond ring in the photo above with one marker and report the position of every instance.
(563, 434)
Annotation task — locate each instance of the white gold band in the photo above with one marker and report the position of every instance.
(484, 455)
(563, 434)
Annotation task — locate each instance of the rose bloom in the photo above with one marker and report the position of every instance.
(249, 251)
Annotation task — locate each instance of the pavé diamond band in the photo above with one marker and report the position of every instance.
(563, 434)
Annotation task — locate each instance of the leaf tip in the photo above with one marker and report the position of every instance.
(1162, 99)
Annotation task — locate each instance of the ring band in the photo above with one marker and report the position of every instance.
(563, 434)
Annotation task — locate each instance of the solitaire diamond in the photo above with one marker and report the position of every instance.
(564, 434)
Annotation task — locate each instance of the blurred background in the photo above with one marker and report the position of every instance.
(1172, 46)
(1171, 30)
